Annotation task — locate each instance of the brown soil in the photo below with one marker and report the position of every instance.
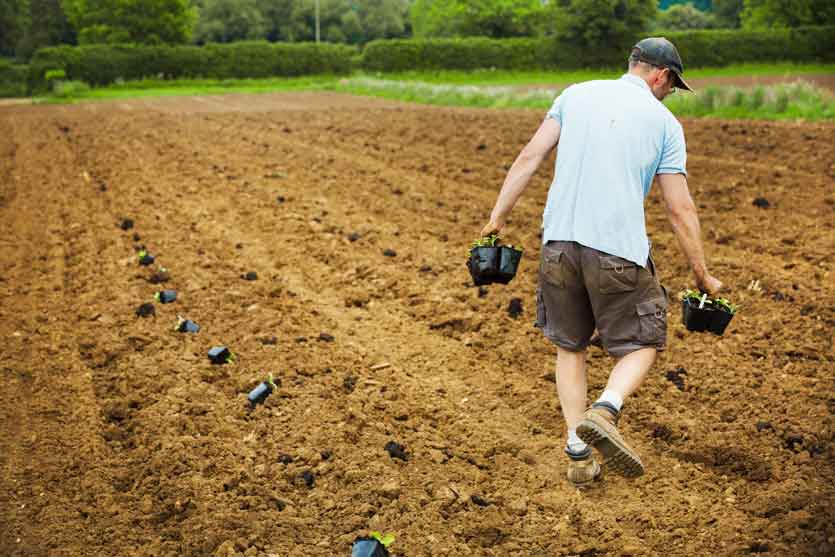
(117, 437)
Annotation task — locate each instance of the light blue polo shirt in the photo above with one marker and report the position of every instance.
(615, 137)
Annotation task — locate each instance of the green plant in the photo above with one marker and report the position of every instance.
(51, 75)
(386, 540)
(68, 89)
(696, 297)
(726, 305)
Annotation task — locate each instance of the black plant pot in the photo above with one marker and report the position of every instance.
(484, 264)
(695, 318)
(259, 394)
(508, 264)
(368, 547)
(719, 321)
(165, 296)
(146, 260)
(220, 355)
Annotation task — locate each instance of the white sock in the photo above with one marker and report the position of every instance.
(575, 444)
(612, 398)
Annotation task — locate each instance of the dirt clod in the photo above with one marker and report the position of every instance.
(126, 224)
(514, 308)
(388, 252)
(146, 310)
(396, 450)
(761, 202)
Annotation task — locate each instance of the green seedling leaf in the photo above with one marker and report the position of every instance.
(726, 305)
(270, 381)
(230, 358)
(142, 253)
(386, 539)
(156, 296)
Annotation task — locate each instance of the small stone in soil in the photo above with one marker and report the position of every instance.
(354, 236)
(326, 337)
(761, 202)
(388, 252)
(514, 309)
(126, 224)
(763, 425)
(239, 246)
(145, 310)
(251, 275)
(349, 383)
(425, 269)
(301, 339)
(396, 450)
(268, 341)
(676, 377)
(792, 441)
(325, 454)
(280, 199)
(285, 459)
(481, 147)
(309, 478)
(479, 500)
(136, 237)
(482, 291)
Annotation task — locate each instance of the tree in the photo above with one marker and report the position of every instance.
(681, 17)
(224, 21)
(13, 22)
(787, 13)
(727, 12)
(487, 18)
(131, 21)
(46, 25)
(601, 25)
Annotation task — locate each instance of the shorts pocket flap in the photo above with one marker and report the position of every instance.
(616, 263)
(552, 255)
(652, 307)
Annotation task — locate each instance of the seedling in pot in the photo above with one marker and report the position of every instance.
(221, 355)
(166, 296)
(701, 313)
(376, 545)
(145, 258)
(725, 311)
(145, 310)
(260, 393)
(186, 325)
(159, 276)
(489, 261)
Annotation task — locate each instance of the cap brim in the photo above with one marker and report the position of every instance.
(680, 83)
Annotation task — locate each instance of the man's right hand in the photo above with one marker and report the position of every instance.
(710, 284)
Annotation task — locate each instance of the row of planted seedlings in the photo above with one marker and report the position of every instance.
(376, 544)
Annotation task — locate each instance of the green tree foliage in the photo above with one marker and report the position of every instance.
(131, 21)
(224, 21)
(787, 13)
(606, 25)
(45, 25)
(727, 12)
(13, 22)
(681, 17)
(469, 18)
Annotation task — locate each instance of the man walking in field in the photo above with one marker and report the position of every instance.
(596, 270)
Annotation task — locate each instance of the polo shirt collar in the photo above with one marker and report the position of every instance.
(635, 80)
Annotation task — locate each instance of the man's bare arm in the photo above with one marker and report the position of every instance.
(685, 221)
(543, 141)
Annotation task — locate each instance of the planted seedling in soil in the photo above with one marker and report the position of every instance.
(145, 258)
(186, 325)
(145, 310)
(221, 355)
(166, 296)
(251, 275)
(375, 545)
(126, 224)
(159, 276)
(490, 261)
(260, 393)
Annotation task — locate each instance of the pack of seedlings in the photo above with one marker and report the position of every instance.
(701, 313)
(221, 355)
(489, 261)
(166, 296)
(145, 258)
(375, 545)
(186, 325)
(260, 393)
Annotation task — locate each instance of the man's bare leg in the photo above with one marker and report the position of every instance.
(571, 385)
(630, 371)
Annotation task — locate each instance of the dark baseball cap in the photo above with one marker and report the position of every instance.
(658, 51)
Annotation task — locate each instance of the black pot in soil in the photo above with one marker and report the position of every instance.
(165, 296)
(260, 393)
(146, 259)
(695, 318)
(719, 321)
(368, 547)
(221, 355)
(484, 264)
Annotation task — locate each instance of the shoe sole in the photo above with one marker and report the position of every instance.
(617, 455)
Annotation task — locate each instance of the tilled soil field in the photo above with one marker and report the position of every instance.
(118, 437)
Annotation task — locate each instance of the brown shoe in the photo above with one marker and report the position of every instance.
(583, 468)
(599, 429)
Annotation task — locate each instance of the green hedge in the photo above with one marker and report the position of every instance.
(697, 48)
(104, 64)
(12, 79)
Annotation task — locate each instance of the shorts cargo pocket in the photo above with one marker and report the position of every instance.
(552, 268)
(541, 320)
(617, 275)
(652, 320)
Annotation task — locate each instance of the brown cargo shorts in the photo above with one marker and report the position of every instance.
(581, 288)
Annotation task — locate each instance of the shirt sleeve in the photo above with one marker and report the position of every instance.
(674, 152)
(556, 109)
